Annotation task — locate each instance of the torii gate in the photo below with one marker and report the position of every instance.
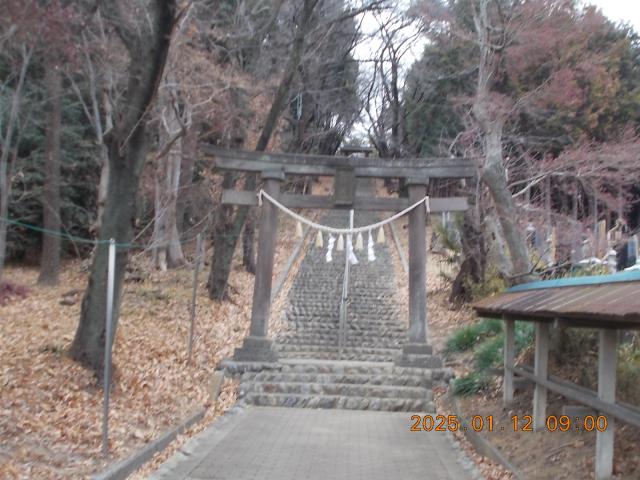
(273, 168)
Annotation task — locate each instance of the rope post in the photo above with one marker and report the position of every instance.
(196, 272)
(108, 339)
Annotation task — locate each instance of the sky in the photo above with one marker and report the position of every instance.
(621, 10)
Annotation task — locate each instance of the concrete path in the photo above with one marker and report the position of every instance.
(267, 443)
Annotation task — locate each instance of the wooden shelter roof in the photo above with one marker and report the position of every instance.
(604, 301)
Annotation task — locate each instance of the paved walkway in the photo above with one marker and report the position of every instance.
(269, 443)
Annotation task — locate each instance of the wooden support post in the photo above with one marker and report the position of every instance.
(417, 352)
(607, 358)
(257, 347)
(541, 371)
(509, 360)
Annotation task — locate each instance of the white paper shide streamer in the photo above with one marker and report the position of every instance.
(353, 260)
(371, 255)
(330, 242)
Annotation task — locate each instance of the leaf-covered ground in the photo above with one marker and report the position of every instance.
(51, 408)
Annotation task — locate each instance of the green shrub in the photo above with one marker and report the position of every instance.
(489, 353)
(466, 337)
(487, 339)
(470, 384)
(462, 339)
(448, 238)
(525, 333)
(629, 373)
(490, 326)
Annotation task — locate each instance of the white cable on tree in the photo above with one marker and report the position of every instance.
(341, 231)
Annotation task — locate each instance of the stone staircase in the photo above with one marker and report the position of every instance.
(374, 332)
(341, 384)
(312, 371)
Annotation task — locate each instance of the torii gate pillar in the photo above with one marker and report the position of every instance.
(417, 352)
(257, 347)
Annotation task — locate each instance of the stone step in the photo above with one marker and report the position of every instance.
(337, 389)
(330, 309)
(326, 285)
(334, 315)
(304, 336)
(379, 299)
(348, 378)
(334, 348)
(307, 332)
(315, 294)
(362, 367)
(357, 325)
(378, 280)
(339, 402)
(323, 288)
(350, 343)
(368, 328)
(334, 356)
(353, 341)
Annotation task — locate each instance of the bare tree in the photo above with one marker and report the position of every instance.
(396, 34)
(223, 247)
(166, 237)
(147, 42)
(317, 22)
(491, 113)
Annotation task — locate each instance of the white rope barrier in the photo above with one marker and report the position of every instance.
(342, 231)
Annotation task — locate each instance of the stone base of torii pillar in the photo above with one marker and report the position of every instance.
(418, 355)
(255, 349)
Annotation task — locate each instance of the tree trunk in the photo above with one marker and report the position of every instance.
(148, 43)
(117, 222)
(493, 175)
(103, 185)
(50, 262)
(490, 116)
(224, 245)
(7, 139)
(473, 265)
(107, 87)
(187, 190)
(168, 250)
(159, 253)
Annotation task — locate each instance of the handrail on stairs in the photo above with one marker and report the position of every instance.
(344, 298)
